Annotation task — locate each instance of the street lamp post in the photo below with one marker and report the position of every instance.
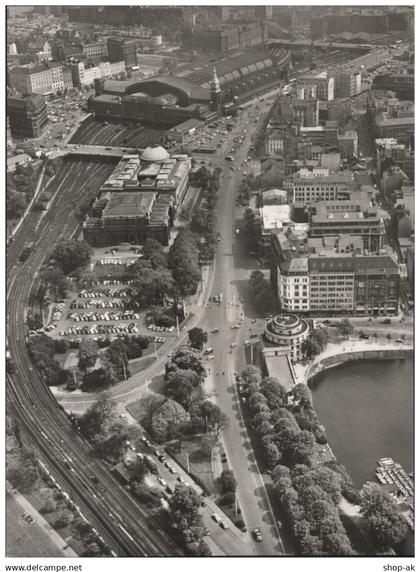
(188, 463)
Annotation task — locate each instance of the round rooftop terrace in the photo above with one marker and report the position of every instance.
(154, 154)
(286, 326)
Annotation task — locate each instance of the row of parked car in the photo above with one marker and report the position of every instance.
(154, 328)
(115, 303)
(116, 261)
(104, 293)
(100, 329)
(105, 282)
(106, 316)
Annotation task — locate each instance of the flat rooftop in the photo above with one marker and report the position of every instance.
(128, 205)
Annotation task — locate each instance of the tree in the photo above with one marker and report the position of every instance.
(271, 454)
(186, 359)
(197, 337)
(93, 420)
(183, 261)
(151, 285)
(228, 481)
(300, 448)
(214, 418)
(251, 374)
(255, 399)
(275, 393)
(64, 518)
(250, 230)
(167, 416)
(98, 379)
(184, 508)
(204, 549)
(23, 474)
(263, 294)
(181, 385)
(386, 526)
(15, 204)
(150, 496)
(71, 255)
(153, 252)
(282, 480)
(345, 328)
(88, 354)
(320, 335)
(310, 347)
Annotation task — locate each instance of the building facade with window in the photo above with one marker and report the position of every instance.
(27, 115)
(319, 185)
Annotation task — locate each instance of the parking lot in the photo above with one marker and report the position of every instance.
(99, 312)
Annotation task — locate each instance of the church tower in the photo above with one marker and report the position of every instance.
(215, 94)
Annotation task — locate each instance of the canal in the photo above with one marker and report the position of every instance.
(367, 408)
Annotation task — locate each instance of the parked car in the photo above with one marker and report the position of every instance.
(256, 533)
(363, 336)
(216, 518)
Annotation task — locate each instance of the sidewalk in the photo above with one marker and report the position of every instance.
(350, 346)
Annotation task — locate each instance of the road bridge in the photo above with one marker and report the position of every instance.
(303, 43)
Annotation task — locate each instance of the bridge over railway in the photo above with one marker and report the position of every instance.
(95, 151)
(303, 43)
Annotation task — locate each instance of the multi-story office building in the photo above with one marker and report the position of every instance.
(83, 74)
(333, 275)
(303, 112)
(402, 84)
(348, 82)
(37, 78)
(226, 37)
(331, 283)
(308, 186)
(27, 115)
(274, 141)
(376, 285)
(355, 218)
(122, 50)
(63, 51)
(322, 82)
(400, 128)
(348, 143)
(93, 50)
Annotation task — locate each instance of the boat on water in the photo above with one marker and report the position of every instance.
(390, 473)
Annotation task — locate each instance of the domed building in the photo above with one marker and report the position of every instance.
(154, 155)
(287, 332)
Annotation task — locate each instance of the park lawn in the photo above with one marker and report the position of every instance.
(140, 364)
(23, 540)
(200, 463)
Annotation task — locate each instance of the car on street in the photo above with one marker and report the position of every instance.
(224, 525)
(386, 322)
(399, 341)
(162, 482)
(253, 336)
(256, 533)
(217, 518)
(363, 336)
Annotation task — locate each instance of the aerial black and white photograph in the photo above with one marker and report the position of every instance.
(209, 285)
